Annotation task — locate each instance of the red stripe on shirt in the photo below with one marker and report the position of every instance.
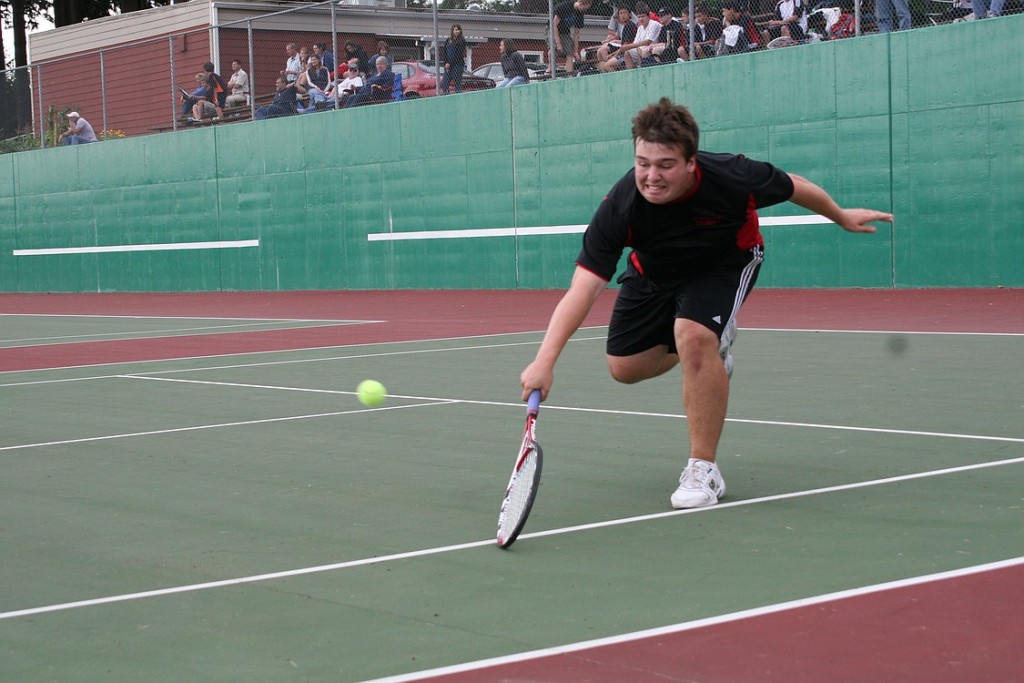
(749, 235)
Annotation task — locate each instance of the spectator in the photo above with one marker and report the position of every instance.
(885, 9)
(354, 51)
(79, 131)
(790, 21)
(201, 93)
(512, 64)
(378, 87)
(303, 58)
(383, 52)
(647, 33)
(991, 8)
(352, 82)
(706, 32)
(454, 55)
(326, 56)
(846, 25)
(671, 45)
(817, 25)
(621, 28)
(239, 86)
(284, 103)
(293, 67)
(568, 22)
(218, 88)
(734, 13)
(313, 82)
(734, 39)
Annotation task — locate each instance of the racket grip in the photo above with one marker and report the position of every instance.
(533, 403)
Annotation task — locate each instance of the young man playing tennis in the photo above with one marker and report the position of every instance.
(689, 218)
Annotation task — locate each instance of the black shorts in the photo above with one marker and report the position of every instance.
(645, 313)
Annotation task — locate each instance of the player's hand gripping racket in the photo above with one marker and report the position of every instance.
(522, 487)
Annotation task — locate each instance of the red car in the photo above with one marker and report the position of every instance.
(419, 79)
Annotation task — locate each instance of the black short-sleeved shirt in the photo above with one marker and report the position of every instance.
(672, 36)
(715, 221)
(569, 17)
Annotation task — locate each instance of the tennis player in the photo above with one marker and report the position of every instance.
(690, 219)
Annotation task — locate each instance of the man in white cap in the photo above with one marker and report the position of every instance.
(79, 131)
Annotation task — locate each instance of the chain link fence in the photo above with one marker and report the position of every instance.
(142, 87)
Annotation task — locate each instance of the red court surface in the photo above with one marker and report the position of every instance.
(954, 630)
(416, 315)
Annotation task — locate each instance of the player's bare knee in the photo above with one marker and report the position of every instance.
(624, 373)
(696, 344)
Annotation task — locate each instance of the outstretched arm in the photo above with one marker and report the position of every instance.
(569, 314)
(810, 196)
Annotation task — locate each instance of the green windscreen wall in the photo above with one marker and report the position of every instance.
(490, 189)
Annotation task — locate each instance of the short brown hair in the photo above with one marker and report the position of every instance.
(665, 123)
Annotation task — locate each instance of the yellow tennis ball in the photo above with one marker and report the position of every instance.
(371, 393)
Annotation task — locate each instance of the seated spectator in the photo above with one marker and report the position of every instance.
(671, 46)
(735, 14)
(621, 27)
(817, 24)
(733, 38)
(200, 93)
(790, 21)
(648, 32)
(354, 51)
(218, 89)
(706, 32)
(377, 88)
(326, 57)
(383, 52)
(79, 131)
(239, 86)
(629, 54)
(846, 25)
(512, 64)
(348, 85)
(313, 82)
(284, 101)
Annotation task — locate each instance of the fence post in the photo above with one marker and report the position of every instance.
(252, 74)
(334, 51)
(103, 94)
(42, 114)
(174, 80)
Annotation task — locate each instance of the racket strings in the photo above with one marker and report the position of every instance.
(519, 495)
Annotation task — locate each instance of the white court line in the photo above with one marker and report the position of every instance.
(307, 349)
(220, 425)
(189, 588)
(114, 316)
(535, 342)
(134, 335)
(700, 623)
(439, 400)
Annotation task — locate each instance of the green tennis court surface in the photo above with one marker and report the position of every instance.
(244, 518)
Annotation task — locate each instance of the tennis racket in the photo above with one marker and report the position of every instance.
(522, 487)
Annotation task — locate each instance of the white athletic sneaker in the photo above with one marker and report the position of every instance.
(725, 345)
(700, 485)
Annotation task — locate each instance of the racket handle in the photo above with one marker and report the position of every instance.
(533, 403)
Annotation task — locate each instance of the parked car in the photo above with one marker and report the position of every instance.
(419, 79)
(538, 71)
